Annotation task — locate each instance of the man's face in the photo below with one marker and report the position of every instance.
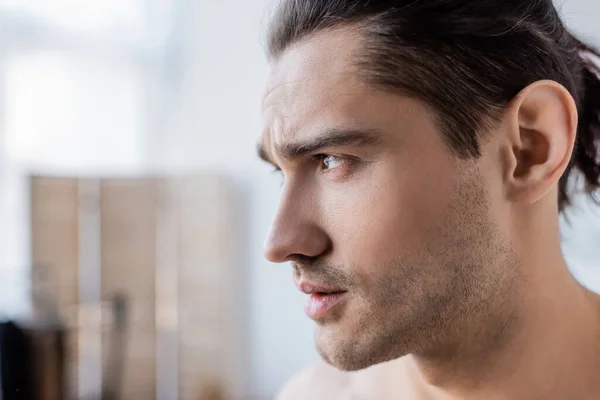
(375, 208)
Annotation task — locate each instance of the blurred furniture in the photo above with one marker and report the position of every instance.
(165, 247)
(116, 349)
(31, 362)
(48, 353)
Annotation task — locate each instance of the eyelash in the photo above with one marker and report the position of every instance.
(317, 157)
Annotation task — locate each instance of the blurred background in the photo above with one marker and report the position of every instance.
(133, 207)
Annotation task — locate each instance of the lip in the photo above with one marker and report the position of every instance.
(321, 300)
(321, 304)
(312, 288)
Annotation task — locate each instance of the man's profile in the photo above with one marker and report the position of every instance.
(427, 149)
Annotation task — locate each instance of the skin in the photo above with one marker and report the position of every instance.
(456, 285)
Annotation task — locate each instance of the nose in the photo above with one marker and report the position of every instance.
(295, 234)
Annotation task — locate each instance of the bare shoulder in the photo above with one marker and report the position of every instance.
(389, 380)
(317, 381)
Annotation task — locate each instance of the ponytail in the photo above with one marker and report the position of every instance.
(586, 154)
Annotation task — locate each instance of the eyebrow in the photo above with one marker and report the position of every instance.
(330, 138)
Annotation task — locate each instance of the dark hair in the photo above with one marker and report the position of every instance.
(467, 59)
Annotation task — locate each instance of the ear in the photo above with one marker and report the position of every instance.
(542, 129)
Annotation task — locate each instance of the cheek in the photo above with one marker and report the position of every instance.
(389, 217)
(491, 170)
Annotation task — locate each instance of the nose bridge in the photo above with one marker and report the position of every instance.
(294, 206)
(295, 228)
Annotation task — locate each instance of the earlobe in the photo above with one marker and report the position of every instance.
(544, 129)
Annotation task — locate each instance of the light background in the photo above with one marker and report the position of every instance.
(138, 85)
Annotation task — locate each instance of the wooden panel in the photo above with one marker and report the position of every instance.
(54, 253)
(128, 224)
(206, 246)
(54, 233)
(195, 283)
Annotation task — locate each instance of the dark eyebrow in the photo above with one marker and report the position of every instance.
(330, 138)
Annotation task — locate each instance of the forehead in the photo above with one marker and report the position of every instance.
(323, 58)
(313, 85)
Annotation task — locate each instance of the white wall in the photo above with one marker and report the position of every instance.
(581, 17)
(581, 239)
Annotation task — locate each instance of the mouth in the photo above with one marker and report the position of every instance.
(321, 300)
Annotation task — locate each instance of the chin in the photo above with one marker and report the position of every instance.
(351, 353)
(353, 364)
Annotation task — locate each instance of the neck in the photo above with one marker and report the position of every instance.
(545, 345)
